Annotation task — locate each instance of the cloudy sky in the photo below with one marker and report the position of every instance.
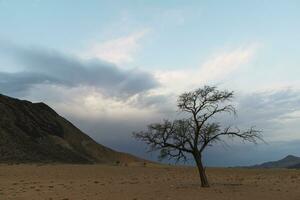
(111, 67)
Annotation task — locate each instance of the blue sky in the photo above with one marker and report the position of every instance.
(126, 61)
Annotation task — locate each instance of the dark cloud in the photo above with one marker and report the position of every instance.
(48, 66)
(261, 109)
(16, 83)
(250, 154)
(268, 111)
(235, 153)
(264, 108)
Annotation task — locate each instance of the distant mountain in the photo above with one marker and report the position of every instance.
(33, 132)
(289, 161)
(296, 166)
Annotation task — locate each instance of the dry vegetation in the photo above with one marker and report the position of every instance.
(72, 182)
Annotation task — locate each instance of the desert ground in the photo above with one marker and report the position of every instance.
(85, 182)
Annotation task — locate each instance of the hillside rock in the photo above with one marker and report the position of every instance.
(289, 161)
(35, 133)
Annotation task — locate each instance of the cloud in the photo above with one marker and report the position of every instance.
(13, 83)
(217, 68)
(109, 102)
(112, 122)
(276, 112)
(43, 66)
(119, 50)
(221, 65)
(102, 117)
(270, 104)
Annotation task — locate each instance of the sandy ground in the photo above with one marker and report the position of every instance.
(72, 182)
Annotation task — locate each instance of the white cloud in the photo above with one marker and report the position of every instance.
(223, 64)
(118, 50)
(275, 112)
(288, 117)
(94, 103)
(216, 68)
(88, 103)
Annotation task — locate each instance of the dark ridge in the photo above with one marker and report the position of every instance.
(289, 161)
(35, 133)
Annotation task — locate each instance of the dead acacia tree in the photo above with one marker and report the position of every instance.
(190, 136)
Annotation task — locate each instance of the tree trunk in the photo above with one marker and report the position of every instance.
(201, 169)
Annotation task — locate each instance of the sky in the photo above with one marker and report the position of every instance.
(112, 67)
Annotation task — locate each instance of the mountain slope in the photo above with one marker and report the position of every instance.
(296, 166)
(289, 161)
(33, 132)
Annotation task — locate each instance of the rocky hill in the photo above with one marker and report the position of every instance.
(289, 161)
(35, 133)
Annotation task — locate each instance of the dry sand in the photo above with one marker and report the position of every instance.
(79, 182)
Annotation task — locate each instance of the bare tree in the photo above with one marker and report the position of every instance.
(190, 136)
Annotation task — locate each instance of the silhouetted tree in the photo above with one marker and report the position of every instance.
(191, 135)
